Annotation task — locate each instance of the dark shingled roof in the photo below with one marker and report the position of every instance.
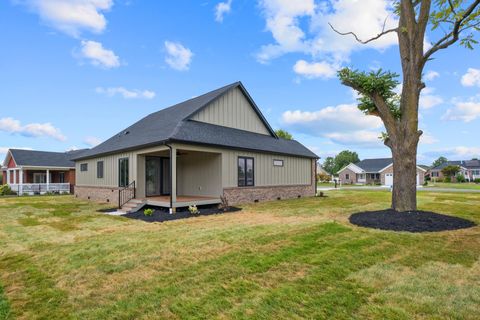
(45, 158)
(174, 124)
(468, 164)
(374, 165)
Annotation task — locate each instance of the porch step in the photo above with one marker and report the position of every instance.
(132, 206)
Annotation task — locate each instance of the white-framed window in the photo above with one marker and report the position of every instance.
(39, 177)
(61, 177)
(278, 163)
(347, 176)
(84, 167)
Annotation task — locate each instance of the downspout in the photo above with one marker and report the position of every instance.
(171, 175)
(316, 182)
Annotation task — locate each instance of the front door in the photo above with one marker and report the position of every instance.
(157, 176)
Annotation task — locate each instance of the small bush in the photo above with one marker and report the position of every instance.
(193, 209)
(5, 190)
(321, 177)
(460, 178)
(148, 212)
(425, 183)
(447, 179)
(477, 180)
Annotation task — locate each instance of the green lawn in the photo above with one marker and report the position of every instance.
(469, 186)
(282, 260)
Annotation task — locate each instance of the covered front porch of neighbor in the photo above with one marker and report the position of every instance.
(36, 180)
(174, 177)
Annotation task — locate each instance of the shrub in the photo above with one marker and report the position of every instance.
(224, 206)
(323, 177)
(193, 209)
(148, 212)
(425, 183)
(5, 190)
(447, 179)
(477, 180)
(460, 178)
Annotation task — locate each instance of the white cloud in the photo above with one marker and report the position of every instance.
(343, 124)
(314, 70)
(455, 153)
(178, 57)
(431, 75)
(92, 141)
(362, 138)
(284, 19)
(344, 117)
(471, 78)
(466, 111)
(13, 126)
(429, 100)
(427, 138)
(71, 17)
(98, 55)
(221, 9)
(126, 93)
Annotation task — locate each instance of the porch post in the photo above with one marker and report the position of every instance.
(48, 180)
(20, 181)
(173, 175)
(8, 177)
(14, 176)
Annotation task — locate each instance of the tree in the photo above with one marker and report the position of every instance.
(456, 20)
(283, 134)
(450, 171)
(439, 161)
(344, 158)
(329, 165)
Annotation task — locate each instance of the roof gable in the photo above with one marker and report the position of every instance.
(374, 165)
(233, 109)
(353, 167)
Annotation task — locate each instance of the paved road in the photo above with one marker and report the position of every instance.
(386, 189)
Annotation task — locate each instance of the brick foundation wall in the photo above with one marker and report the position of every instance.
(100, 194)
(238, 195)
(244, 195)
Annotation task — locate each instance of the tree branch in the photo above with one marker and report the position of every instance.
(452, 7)
(381, 34)
(453, 36)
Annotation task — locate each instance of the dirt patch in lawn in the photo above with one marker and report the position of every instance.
(413, 221)
(162, 215)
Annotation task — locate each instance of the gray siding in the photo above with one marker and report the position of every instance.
(232, 110)
(202, 170)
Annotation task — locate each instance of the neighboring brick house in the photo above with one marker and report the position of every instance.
(470, 169)
(33, 172)
(374, 171)
(217, 145)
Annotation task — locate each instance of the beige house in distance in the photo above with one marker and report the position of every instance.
(374, 171)
(217, 144)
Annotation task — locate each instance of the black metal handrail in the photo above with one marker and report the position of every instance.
(126, 194)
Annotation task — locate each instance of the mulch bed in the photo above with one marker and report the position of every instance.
(162, 215)
(415, 221)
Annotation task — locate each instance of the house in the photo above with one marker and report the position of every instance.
(470, 169)
(217, 145)
(374, 171)
(38, 172)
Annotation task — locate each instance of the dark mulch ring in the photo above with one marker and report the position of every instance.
(162, 214)
(414, 221)
(107, 210)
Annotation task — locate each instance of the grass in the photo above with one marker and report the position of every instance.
(469, 186)
(289, 259)
(332, 185)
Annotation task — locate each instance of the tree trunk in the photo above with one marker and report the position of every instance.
(404, 194)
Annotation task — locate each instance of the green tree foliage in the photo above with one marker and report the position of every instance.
(450, 171)
(284, 134)
(329, 165)
(439, 161)
(344, 158)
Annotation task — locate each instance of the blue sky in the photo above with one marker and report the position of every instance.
(74, 73)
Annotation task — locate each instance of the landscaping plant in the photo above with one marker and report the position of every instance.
(148, 212)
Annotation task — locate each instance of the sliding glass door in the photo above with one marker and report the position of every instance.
(157, 176)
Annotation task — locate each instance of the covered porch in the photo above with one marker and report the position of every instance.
(33, 180)
(175, 177)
